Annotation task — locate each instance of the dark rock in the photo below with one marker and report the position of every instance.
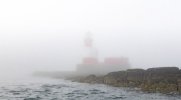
(92, 79)
(135, 77)
(116, 78)
(162, 74)
(161, 79)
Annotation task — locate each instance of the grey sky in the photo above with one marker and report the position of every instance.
(48, 34)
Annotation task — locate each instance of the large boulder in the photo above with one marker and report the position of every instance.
(116, 78)
(162, 74)
(135, 77)
(162, 79)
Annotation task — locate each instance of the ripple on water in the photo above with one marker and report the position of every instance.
(63, 90)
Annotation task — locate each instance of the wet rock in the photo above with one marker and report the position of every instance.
(162, 74)
(160, 79)
(92, 79)
(179, 85)
(135, 77)
(116, 78)
(160, 87)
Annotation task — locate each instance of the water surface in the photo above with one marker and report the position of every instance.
(56, 89)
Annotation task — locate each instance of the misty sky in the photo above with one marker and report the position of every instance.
(49, 34)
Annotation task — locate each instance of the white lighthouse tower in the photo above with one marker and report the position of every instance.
(91, 65)
(91, 51)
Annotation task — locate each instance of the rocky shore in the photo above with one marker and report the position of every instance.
(161, 79)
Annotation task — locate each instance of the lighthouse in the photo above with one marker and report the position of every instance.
(91, 54)
(91, 65)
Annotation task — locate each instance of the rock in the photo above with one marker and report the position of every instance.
(161, 79)
(116, 78)
(135, 77)
(179, 85)
(162, 74)
(92, 79)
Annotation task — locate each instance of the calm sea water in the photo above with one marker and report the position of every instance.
(56, 89)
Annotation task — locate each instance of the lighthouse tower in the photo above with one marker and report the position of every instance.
(90, 51)
(91, 65)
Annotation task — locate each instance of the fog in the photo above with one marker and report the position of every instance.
(48, 35)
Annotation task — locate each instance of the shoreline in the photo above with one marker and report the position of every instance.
(164, 80)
